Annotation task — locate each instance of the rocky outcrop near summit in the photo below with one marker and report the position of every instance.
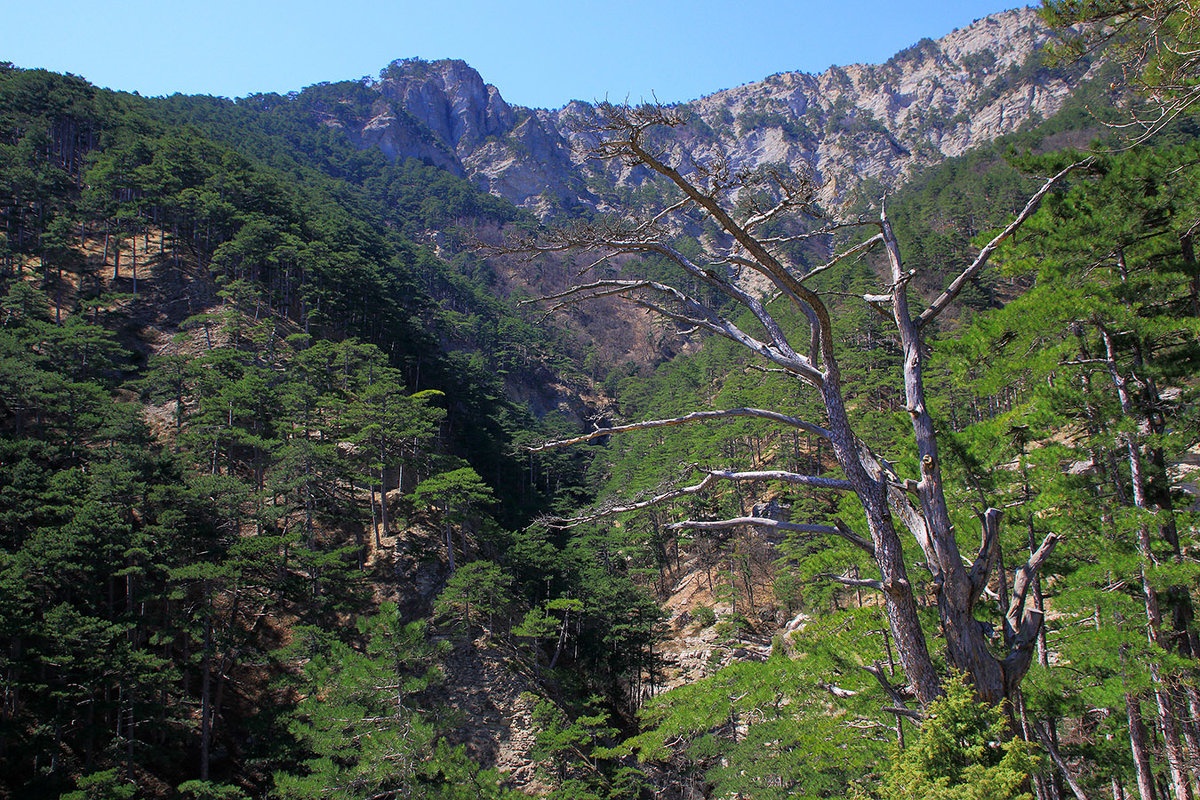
(933, 100)
(848, 124)
(442, 112)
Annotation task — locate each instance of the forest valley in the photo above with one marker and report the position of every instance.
(329, 476)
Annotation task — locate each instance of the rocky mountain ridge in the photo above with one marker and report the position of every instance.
(848, 124)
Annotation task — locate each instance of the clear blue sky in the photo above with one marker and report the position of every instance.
(540, 54)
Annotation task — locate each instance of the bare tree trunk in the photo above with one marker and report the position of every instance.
(1041, 787)
(374, 518)
(965, 643)
(562, 639)
(899, 603)
(1048, 742)
(1166, 712)
(383, 517)
(1188, 248)
(1193, 719)
(206, 687)
(1180, 786)
(919, 505)
(1137, 746)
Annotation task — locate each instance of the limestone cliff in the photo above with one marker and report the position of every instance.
(932, 100)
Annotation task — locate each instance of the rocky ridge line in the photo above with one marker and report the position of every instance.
(933, 100)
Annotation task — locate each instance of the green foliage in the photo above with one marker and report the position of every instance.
(144, 574)
(457, 492)
(102, 785)
(283, 220)
(793, 129)
(965, 751)
(1153, 43)
(704, 616)
(206, 790)
(481, 587)
(761, 729)
(1033, 389)
(145, 569)
(572, 752)
(733, 627)
(458, 496)
(360, 727)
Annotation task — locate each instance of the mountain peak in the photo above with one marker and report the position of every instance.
(934, 99)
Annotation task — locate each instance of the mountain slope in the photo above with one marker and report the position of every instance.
(932, 100)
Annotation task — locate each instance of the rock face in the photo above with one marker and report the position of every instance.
(932, 100)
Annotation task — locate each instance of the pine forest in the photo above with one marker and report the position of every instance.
(382, 440)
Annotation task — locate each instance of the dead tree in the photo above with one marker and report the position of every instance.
(892, 503)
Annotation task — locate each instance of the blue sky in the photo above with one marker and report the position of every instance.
(540, 54)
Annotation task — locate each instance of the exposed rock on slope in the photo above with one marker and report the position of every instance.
(932, 100)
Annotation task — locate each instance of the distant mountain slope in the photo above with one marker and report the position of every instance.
(932, 100)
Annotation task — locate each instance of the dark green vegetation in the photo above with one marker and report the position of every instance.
(212, 368)
(263, 520)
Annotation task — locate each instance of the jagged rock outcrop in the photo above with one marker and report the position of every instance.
(848, 124)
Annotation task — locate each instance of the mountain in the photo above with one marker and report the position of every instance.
(932, 100)
(254, 379)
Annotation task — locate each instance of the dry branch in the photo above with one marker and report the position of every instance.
(1017, 615)
(796, 478)
(854, 583)
(952, 291)
(709, 191)
(696, 416)
(607, 511)
(839, 528)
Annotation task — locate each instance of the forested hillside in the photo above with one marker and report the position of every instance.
(298, 499)
(226, 384)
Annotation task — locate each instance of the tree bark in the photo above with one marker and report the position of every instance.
(622, 132)
(1172, 746)
(206, 687)
(1139, 749)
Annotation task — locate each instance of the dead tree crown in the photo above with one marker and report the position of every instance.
(742, 203)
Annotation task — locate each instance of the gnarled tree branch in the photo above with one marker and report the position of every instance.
(696, 416)
(608, 511)
(985, 558)
(946, 297)
(796, 478)
(839, 528)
